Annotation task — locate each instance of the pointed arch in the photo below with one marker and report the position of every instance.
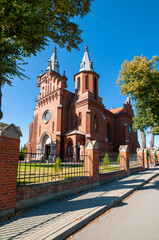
(86, 82)
(78, 83)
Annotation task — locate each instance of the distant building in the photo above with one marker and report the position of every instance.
(65, 121)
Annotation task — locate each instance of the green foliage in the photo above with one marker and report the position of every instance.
(26, 27)
(22, 153)
(57, 165)
(118, 159)
(139, 79)
(106, 161)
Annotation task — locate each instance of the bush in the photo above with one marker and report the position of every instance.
(106, 161)
(22, 153)
(118, 159)
(57, 165)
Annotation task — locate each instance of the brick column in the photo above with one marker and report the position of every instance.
(9, 158)
(146, 163)
(153, 157)
(140, 156)
(92, 160)
(157, 157)
(124, 158)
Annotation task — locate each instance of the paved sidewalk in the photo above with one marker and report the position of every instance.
(59, 219)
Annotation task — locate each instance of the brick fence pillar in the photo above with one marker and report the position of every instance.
(124, 158)
(9, 157)
(92, 160)
(140, 157)
(146, 163)
(157, 157)
(153, 157)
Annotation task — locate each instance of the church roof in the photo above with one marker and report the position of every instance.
(53, 63)
(116, 110)
(86, 63)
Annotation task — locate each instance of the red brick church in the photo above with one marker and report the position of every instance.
(65, 121)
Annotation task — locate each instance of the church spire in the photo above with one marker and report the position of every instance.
(53, 63)
(86, 63)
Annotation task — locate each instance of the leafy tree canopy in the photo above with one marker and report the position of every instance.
(26, 27)
(139, 79)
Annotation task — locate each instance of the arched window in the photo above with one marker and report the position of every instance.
(79, 118)
(86, 82)
(95, 87)
(108, 133)
(78, 84)
(75, 120)
(95, 124)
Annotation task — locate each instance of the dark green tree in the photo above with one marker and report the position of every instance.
(27, 26)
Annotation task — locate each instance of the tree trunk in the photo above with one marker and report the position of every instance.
(143, 139)
(152, 140)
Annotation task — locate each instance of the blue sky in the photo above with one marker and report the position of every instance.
(114, 31)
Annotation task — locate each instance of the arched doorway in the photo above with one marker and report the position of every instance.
(46, 145)
(70, 147)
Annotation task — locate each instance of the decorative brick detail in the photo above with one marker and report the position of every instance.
(124, 158)
(146, 164)
(92, 160)
(140, 157)
(153, 157)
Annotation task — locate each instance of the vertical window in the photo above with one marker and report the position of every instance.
(108, 133)
(95, 124)
(95, 87)
(52, 127)
(75, 120)
(50, 87)
(78, 84)
(86, 82)
(39, 130)
(79, 118)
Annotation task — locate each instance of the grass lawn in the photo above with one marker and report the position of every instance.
(37, 173)
(33, 173)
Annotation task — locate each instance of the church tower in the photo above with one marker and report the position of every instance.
(86, 80)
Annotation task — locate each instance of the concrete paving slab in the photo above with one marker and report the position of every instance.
(60, 219)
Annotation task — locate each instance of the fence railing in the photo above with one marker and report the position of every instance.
(109, 163)
(34, 168)
(134, 161)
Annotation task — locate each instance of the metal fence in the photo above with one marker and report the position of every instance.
(133, 161)
(34, 168)
(109, 163)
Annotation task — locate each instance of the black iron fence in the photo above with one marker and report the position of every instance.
(134, 161)
(37, 168)
(108, 163)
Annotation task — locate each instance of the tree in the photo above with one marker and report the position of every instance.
(139, 79)
(27, 26)
(106, 161)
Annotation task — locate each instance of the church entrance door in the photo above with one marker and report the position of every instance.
(47, 151)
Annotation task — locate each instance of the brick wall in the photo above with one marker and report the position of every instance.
(9, 149)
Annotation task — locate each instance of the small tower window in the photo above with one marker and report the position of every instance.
(95, 87)
(86, 82)
(78, 84)
(95, 124)
(108, 133)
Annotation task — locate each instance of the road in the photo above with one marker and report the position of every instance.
(136, 218)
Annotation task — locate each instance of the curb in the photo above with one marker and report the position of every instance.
(74, 227)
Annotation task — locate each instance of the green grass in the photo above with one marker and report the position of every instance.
(34, 173)
(38, 173)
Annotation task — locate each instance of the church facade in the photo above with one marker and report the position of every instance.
(65, 121)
